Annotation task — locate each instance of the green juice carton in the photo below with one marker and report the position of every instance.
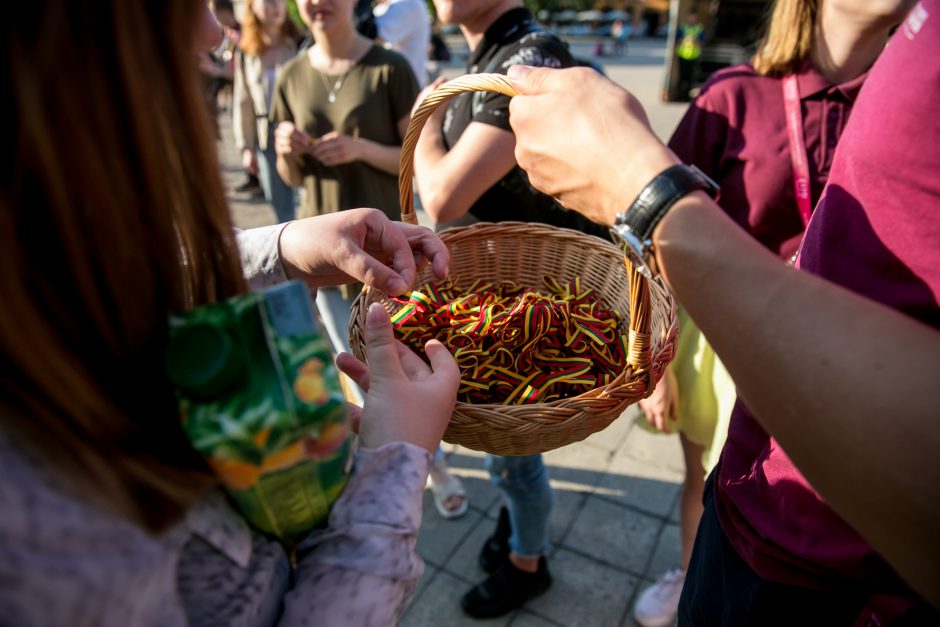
(260, 399)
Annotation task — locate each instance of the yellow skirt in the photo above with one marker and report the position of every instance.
(706, 393)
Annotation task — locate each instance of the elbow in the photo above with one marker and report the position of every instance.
(436, 205)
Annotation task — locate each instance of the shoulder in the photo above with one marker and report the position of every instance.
(737, 79)
(65, 561)
(538, 49)
(296, 66)
(380, 55)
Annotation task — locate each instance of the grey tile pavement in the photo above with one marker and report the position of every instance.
(614, 523)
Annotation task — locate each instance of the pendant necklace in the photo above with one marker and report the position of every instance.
(333, 89)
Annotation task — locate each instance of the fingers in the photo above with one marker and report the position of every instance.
(443, 363)
(393, 242)
(425, 243)
(414, 367)
(353, 368)
(380, 342)
(354, 415)
(530, 81)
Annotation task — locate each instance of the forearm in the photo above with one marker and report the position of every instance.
(433, 181)
(290, 169)
(379, 156)
(828, 373)
(363, 569)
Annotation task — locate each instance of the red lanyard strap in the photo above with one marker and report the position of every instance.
(798, 159)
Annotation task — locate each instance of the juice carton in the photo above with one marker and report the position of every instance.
(260, 399)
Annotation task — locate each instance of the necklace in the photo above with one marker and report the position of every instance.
(333, 89)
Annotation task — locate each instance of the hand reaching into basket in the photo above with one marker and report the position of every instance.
(360, 245)
(569, 156)
(406, 400)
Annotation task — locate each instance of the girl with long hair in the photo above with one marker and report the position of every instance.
(268, 41)
(112, 217)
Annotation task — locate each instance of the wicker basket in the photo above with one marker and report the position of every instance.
(525, 253)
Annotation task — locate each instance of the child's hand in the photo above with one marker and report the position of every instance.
(406, 400)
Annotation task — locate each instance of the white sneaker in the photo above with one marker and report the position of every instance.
(659, 604)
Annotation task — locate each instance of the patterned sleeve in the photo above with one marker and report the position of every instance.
(64, 561)
(363, 569)
(535, 50)
(261, 261)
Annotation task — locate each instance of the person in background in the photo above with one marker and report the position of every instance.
(268, 40)
(405, 27)
(812, 64)
(823, 506)
(689, 40)
(224, 13)
(340, 110)
(108, 516)
(620, 31)
(464, 171)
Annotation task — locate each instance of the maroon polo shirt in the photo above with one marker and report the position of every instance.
(735, 131)
(875, 231)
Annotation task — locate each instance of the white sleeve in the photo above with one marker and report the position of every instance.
(398, 21)
(261, 259)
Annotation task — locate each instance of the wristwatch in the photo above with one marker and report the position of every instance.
(633, 228)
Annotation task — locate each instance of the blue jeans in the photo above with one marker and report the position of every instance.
(276, 191)
(524, 484)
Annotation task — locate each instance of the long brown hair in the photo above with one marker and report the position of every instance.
(789, 37)
(112, 215)
(252, 41)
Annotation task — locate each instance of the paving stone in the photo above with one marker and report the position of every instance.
(463, 562)
(429, 573)
(578, 466)
(438, 537)
(640, 484)
(525, 618)
(614, 534)
(439, 605)
(657, 449)
(584, 592)
(616, 432)
(565, 507)
(668, 552)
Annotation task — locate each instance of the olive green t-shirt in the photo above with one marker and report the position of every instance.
(375, 94)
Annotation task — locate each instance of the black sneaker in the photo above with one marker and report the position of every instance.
(506, 590)
(495, 552)
(251, 184)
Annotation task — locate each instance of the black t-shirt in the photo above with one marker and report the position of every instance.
(512, 39)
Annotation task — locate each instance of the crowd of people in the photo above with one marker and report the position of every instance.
(803, 390)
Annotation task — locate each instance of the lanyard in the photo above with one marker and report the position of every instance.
(798, 160)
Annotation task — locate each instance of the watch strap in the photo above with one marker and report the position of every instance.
(662, 192)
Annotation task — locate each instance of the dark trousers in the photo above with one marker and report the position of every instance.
(721, 589)
(686, 79)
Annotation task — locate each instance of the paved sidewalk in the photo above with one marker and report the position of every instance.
(614, 523)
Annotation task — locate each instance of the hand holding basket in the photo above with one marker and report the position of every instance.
(525, 253)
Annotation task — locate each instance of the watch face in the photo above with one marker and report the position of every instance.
(639, 262)
(634, 249)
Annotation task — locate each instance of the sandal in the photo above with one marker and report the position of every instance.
(444, 492)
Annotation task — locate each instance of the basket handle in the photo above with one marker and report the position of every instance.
(639, 346)
(469, 82)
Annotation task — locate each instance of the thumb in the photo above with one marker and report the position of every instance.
(380, 343)
(529, 80)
